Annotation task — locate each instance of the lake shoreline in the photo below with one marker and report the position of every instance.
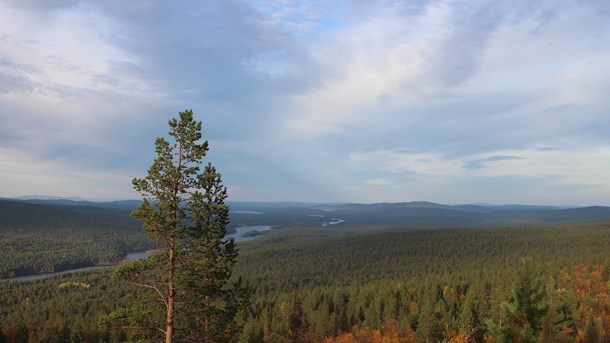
(260, 229)
(37, 276)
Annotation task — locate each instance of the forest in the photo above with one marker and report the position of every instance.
(43, 236)
(363, 282)
(38, 238)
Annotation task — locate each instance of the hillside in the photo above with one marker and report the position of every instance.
(53, 235)
(314, 284)
(414, 214)
(37, 238)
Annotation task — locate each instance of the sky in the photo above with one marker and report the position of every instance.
(453, 102)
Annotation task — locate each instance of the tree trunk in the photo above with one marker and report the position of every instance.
(207, 321)
(171, 294)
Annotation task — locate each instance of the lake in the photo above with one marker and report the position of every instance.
(139, 255)
(241, 230)
(131, 256)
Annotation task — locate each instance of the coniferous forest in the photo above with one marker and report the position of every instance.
(368, 283)
(40, 238)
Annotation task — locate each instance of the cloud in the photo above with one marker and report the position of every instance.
(574, 168)
(314, 100)
(482, 162)
(41, 5)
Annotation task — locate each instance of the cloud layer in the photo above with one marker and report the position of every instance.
(477, 101)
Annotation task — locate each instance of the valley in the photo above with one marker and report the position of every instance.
(409, 272)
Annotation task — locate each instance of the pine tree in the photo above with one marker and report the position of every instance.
(185, 215)
(208, 299)
(428, 327)
(554, 320)
(467, 320)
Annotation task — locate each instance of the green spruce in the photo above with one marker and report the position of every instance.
(523, 316)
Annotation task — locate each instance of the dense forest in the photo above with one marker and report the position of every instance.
(426, 285)
(41, 236)
(360, 283)
(36, 238)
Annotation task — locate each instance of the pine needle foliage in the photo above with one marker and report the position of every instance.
(524, 314)
(189, 279)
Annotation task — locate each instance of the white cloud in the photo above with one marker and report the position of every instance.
(364, 70)
(24, 175)
(313, 100)
(572, 167)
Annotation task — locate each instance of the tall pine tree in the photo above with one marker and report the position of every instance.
(185, 214)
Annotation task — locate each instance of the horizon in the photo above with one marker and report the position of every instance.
(345, 101)
(483, 204)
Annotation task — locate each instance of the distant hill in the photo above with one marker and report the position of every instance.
(128, 205)
(416, 214)
(419, 213)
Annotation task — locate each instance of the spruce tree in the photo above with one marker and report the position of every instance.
(526, 310)
(428, 327)
(467, 320)
(184, 213)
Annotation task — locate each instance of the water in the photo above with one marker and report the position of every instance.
(47, 275)
(130, 257)
(241, 230)
(137, 256)
(333, 221)
(246, 212)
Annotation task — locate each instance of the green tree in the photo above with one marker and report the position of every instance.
(428, 327)
(525, 312)
(467, 320)
(210, 302)
(184, 213)
(555, 319)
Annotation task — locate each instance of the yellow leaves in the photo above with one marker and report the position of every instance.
(460, 337)
(593, 310)
(389, 334)
(567, 330)
(450, 295)
(73, 284)
(344, 338)
(413, 307)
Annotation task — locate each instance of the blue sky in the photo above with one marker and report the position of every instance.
(342, 101)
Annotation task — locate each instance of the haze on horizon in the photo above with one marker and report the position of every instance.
(321, 101)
